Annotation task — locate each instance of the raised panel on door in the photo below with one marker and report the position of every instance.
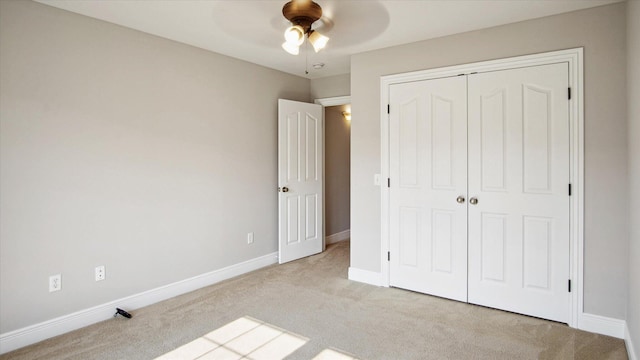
(519, 173)
(428, 172)
(300, 174)
(492, 246)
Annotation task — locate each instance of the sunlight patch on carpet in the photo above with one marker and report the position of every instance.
(332, 354)
(245, 338)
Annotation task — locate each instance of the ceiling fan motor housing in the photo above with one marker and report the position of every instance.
(302, 12)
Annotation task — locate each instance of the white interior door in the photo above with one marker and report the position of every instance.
(300, 175)
(428, 173)
(519, 174)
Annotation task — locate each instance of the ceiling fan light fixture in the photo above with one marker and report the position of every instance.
(291, 48)
(302, 14)
(294, 35)
(318, 40)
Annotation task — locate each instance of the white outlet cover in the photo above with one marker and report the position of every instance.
(376, 179)
(55, 282)
(101, 273)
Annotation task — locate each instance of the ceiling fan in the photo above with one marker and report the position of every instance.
(302, 14)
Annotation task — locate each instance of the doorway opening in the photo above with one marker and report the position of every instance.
(337, 168)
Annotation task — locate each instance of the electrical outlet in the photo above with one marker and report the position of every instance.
(101, 273)
(250, 238)
(55, 282)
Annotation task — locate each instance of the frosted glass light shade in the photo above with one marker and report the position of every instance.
(294, 35)
(318, 40)
(290, 48)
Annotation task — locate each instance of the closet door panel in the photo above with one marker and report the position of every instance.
(519, 173)
(428, 139)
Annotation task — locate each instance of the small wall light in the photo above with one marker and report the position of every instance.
(347, 115)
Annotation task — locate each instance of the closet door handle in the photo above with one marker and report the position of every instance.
(460, 199)
(473, 201)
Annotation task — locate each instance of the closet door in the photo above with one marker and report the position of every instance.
(518, 190)
(428, 224)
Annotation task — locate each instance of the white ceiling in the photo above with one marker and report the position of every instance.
(252, 30)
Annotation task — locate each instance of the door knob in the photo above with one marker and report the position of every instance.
(473, 201)
(285, 189)
(460, 199)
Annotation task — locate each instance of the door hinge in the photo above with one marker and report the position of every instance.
(388, 109)
(388, 182)
(569, 285)
(388, 255)
(569, 189)
(569, 93)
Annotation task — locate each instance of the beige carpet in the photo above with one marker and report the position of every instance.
(313, 300)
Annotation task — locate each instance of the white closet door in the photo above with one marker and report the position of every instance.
(428, 227)
(519, 174)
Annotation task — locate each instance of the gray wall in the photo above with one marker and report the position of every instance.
(336, 165)
(602, 33)
(127, 150)
(633, 106)
(331, 86)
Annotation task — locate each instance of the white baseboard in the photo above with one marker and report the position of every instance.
(44, 330)
(602, 325)
(365, 276)
(627, 340)
(337, 237)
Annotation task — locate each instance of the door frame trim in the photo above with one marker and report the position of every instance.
(575, 59)
(333, 101)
